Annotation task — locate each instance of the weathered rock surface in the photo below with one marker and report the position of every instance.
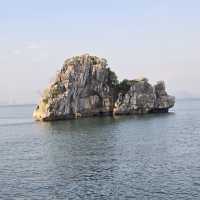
(143, 98)
(85, 86)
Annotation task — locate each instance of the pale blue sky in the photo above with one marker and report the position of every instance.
(152, 38)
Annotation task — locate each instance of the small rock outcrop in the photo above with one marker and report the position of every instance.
(85, 86)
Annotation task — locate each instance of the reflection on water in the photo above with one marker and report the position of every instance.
(127, 157)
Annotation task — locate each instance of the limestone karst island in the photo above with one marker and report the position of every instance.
(85, 87)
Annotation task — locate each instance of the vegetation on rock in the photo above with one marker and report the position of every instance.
(85, 86)
(112, 78)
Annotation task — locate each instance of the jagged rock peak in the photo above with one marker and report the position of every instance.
(85, 86)
(83, 59)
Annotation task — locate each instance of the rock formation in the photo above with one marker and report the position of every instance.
(85, 86)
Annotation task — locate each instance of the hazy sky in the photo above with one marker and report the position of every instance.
(158, 39)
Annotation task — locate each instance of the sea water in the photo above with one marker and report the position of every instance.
(155, 156)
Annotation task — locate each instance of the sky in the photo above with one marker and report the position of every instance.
(157, 39)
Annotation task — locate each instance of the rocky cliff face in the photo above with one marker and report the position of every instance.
(144, 98)
(86, 87)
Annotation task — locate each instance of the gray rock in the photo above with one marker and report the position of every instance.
(139, 99)
(85, 86)
(143, 98)
(163, 101)
(81, 89)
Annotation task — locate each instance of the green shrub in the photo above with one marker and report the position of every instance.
(124, 86)
(112, 78)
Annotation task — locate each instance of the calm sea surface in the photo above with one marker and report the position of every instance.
(129, 157)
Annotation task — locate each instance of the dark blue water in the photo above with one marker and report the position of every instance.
(129, 157)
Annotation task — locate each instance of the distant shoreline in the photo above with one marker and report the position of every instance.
(188, 98)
